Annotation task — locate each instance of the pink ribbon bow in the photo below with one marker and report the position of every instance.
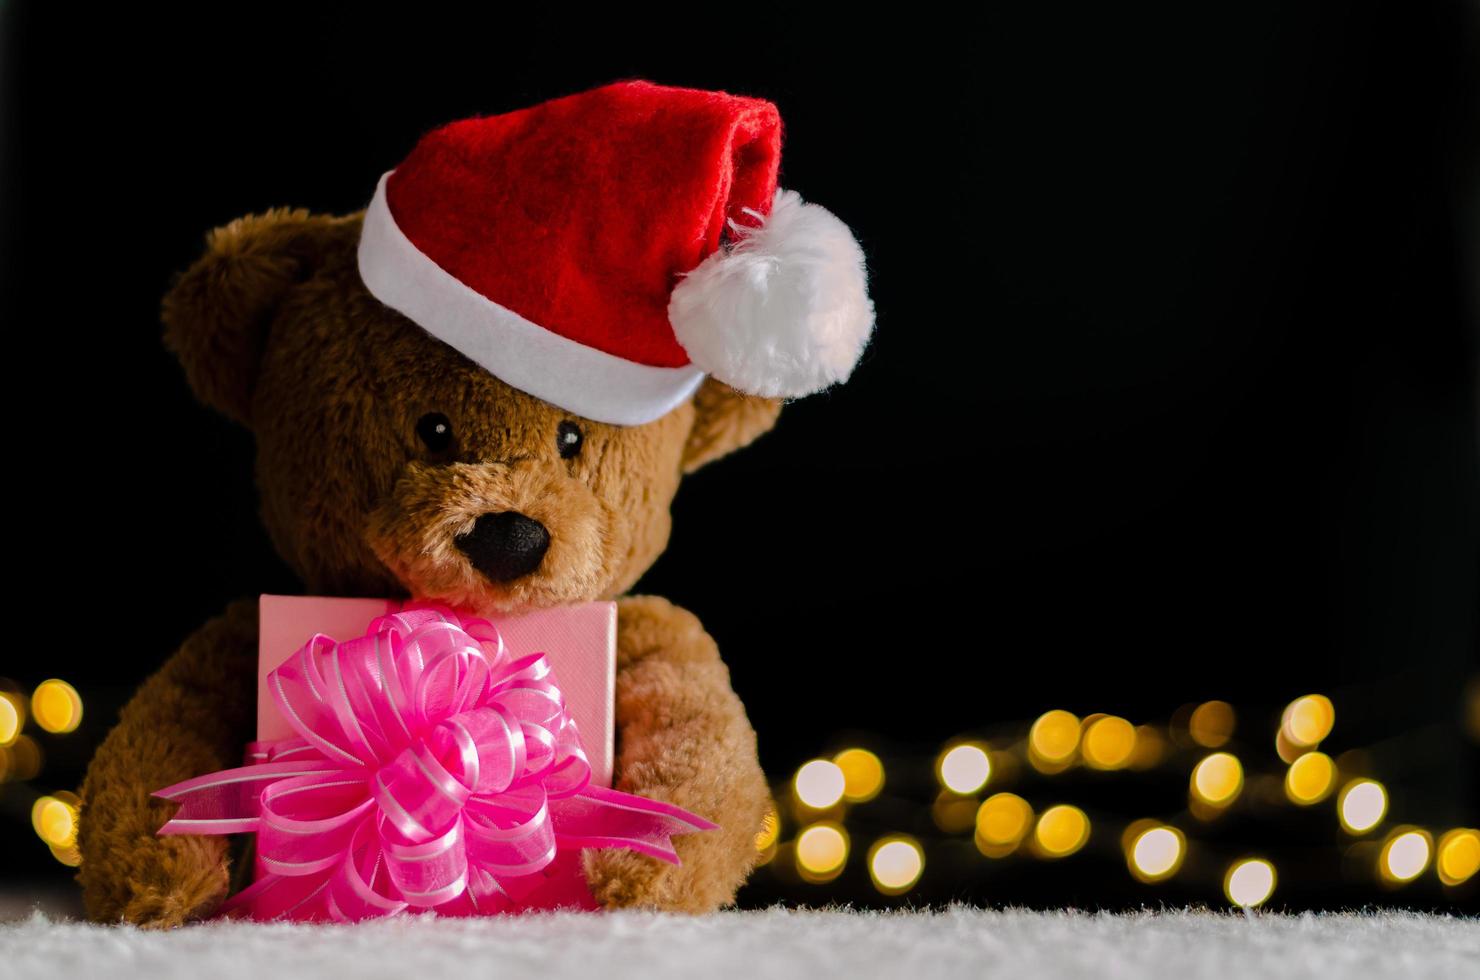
(432, 771)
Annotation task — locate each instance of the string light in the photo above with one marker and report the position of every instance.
(821, 852)
(56, 706)
(895, 864)
(1459, 856)
(1310, 778)
(1405, 855)
(12, 717)
(1156, 853)
(1217, 780)
(1109, 743)
(964, 768)
(1062, 830)
(819, 784)
(1361, 805)
(1249, 882)
(1307, 720)
(1211, 724)
(863, 774)
(1053, 740)
(1002, 821)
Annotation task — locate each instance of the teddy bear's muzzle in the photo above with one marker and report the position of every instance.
(505, 546)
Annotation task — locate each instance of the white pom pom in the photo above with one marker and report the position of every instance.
(785, 311)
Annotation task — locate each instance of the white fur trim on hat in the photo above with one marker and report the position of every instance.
(782, 313)
(582, 380)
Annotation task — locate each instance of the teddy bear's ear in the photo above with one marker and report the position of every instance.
(217, 314)
(724, 421)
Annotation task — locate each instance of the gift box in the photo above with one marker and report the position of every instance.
(580, 641)
(412, 758)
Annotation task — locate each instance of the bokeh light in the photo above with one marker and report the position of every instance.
(819, 784)
(1061, 830)
(1310, 778)
(964, 768)
(56, 706)
(1109, 743)
(1211, 724)
(1405, 855)
(863, 774)
(1249, 882)
(953, 813)
(1217, 779)
(55, 821)
(22, 759)
(895, 864)
(12, 717)
(1361, 805)
(821, 852)
(1308, 719)
(1459, 855)
(1151, 747)
(1053, 740)
(1002, 821)
(765, 839)
(1156, 853)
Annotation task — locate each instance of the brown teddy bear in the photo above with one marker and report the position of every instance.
(484, 390)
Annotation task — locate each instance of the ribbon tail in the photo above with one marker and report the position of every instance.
(229, 801)
(600, 817)
(277, 896)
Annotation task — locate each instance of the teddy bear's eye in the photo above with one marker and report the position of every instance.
(435, 432)
(568, 437)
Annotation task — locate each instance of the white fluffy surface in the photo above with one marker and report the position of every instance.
(770, 945)
(785, 311)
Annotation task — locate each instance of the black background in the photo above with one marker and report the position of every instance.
(1172, 395)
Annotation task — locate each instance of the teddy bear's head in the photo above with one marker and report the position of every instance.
(389, 463)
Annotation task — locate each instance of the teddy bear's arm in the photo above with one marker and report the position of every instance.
(193, 716)
(682, 737)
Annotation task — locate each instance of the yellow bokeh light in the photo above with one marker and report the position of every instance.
(1217, 779)
(11, 718)
(953, 813)
(1211, 724)
(1310, 778)
(1361, 805)
(55, 821)
(1249, 882)
(1405, 855)
(1003, 820)
(1308, 719)
(1061, 831)
(70, 856)
(1109, 743)
(1054, 737)
(964, 769)
(1151, 747)
(863, 774)
(1459, 855)
(819, 784)
(1156, 854)
(770, 830)
(56, 706)
(821, 852)
(895, 864)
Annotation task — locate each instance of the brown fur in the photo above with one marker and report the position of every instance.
(275, 329)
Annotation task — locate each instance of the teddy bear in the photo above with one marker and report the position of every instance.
(484, 390)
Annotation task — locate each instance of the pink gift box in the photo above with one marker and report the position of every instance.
(580, 641)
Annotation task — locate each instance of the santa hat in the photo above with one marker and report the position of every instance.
(605, 251)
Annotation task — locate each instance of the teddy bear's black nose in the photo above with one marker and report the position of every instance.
(505, 546)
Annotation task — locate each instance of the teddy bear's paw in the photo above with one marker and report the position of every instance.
(171, 902)
(622, 879)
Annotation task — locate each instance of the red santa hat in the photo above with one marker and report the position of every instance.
(605, 251)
